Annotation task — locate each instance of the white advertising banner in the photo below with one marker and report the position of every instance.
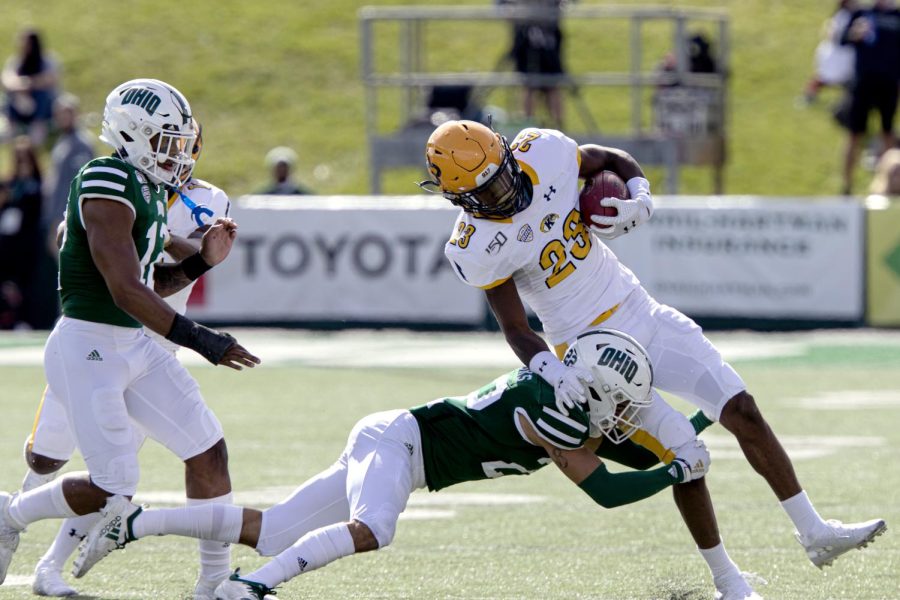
(752, 258)
(339, 258)
(380, 260)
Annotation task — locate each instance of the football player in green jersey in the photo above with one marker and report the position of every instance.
(51, 443)
(98, 362)
(509, 427)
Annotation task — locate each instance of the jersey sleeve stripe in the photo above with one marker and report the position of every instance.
(82, 198)
(528, 170)
(564, 419)
(494, 284)
(546, 428)
(104, 184)
(109, 170)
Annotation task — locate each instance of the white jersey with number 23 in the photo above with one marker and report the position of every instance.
(566, 274)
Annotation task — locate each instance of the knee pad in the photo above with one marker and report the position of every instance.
(120, 476)
(676, 432)
(111, 416)
(383, 526)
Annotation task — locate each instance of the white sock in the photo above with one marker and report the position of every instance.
(720, 564)
(44, 502)
(33, 480)
(219, 522)
(215, 556)
(70, 534)
(315, 549)
(803, 514)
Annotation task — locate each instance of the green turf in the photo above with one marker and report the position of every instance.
(285, 423)
(284, 72)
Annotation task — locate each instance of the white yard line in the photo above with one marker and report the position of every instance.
(399, 348)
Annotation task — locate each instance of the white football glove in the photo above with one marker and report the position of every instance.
(631, 213)
(569, 383)
(691, 462)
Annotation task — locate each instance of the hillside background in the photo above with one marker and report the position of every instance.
(287, 73)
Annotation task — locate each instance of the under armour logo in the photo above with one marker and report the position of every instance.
(550, 192)
(409, 447)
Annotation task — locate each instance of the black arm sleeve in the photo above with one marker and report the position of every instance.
(208, 343)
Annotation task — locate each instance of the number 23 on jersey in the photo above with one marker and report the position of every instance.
(558, 256)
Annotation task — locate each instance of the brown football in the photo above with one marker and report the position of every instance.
(604, 184)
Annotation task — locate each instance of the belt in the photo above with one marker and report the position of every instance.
(560, 349)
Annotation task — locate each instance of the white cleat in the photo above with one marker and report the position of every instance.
(737, 588)
(9, 536)
(205, 589)
(111, 532)
(235, 588)
(838, 538)
(48, 581)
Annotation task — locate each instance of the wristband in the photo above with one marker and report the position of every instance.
(208, 343)
(194, 266)
(546, 365)
(639, 190)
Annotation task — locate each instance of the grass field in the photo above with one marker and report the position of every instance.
(832, 397)
(283, 72)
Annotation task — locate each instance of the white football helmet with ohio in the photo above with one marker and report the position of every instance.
(623, 378)
(149, 124)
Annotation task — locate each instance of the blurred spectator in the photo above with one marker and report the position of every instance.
(834, 61)
(72, 150)
(681, 110)
(30, 78)
(20, 237)
(887, 174)
(701, 59)
(537, 50)
(281, 161)
(875, 33)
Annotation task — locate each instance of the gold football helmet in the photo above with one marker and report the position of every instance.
(474, 168)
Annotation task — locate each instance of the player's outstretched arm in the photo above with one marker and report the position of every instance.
(108, 226)
(587, 471)
(214, 248)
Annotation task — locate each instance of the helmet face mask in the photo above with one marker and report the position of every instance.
(149, 124)
(475, 169)
(196, 149)
(623, 379)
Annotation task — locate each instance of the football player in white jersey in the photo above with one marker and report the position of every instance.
(519, 236)
(192, 208)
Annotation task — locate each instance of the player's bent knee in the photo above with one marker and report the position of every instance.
(214, 460)
(364, 538)
(381, 528)
(43, 465)
(741, 415)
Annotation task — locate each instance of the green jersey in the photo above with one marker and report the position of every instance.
(478, 436)
(82, 289)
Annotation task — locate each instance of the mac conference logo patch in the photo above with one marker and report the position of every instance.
(526, 233)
